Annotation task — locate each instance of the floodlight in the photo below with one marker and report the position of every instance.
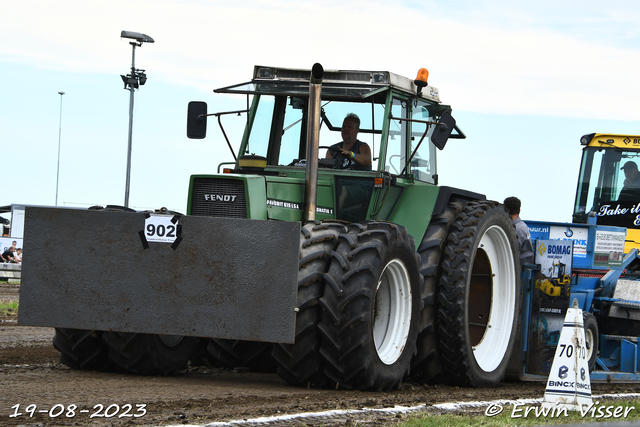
(141, 38)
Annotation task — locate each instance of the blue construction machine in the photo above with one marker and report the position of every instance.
(593, 261)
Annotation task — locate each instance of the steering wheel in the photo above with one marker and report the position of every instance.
(322, 162)
(331, 163)
(329, 148)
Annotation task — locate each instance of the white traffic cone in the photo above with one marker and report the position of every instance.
(569, 385)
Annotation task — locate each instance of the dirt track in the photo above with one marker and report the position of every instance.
(31, 374)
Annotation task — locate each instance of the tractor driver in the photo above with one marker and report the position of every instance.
(355, 153)
(631, 189)
(354, 193)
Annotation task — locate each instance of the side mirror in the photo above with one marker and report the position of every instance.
(443, 130)
(197, 120)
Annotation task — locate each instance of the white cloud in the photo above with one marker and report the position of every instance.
(478, 64)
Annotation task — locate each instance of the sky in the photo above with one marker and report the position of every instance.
(525, 80)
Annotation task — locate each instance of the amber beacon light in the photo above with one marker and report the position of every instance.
(421, 80)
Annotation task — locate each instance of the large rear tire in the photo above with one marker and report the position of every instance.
(81, 349)
(425, 365)
(149, 354)
(371, 307)
(300, 364)
(480, 296)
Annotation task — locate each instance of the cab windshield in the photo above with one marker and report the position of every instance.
(278, 131)
(609, 186)
(288, 147)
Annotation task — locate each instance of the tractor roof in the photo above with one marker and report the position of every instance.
(337, 84)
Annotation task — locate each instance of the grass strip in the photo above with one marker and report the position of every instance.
(8, 308)
(602, 410)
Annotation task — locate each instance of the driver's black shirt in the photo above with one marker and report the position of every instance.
(349, 163)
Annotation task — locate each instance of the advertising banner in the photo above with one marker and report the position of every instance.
(609, 248)
(550, 301)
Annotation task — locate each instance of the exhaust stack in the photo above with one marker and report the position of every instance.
(313, 143)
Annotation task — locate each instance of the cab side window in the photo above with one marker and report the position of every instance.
(397, 145)
(423, 164)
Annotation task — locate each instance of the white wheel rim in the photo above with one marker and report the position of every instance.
(392, 316)
(490, 351)
(170, 340)
(588, 339)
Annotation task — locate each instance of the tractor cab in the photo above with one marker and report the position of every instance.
(609, 184)
(397, 122)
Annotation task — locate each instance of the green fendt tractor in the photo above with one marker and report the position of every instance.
(293, 259)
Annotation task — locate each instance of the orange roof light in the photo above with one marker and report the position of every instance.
(423, 77)
(421, 80)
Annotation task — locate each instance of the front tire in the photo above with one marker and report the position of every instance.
(149, 354)
(371, 307)
(81, 349)
(253, 355)
(480, 296)
(300, 364)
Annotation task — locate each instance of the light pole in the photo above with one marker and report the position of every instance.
(59, 139)
(132, 82)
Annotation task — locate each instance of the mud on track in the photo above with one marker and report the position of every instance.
(31, 374)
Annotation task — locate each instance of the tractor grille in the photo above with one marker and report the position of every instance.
(223, 198)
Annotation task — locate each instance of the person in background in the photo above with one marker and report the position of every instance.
(631, 190)
(7, 255)
(512, 206)
(17, 256)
